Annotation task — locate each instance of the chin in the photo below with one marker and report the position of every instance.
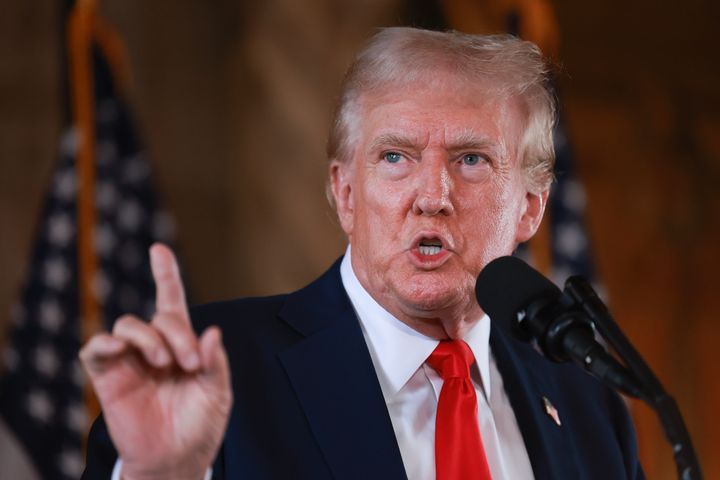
(429, 295)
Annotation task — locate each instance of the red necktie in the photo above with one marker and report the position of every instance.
(459, 452)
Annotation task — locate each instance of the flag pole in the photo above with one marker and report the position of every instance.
(80, 33)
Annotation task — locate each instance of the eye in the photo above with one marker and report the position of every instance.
(471, 159)
(392, 157)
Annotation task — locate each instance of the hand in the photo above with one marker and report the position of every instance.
(165, 394)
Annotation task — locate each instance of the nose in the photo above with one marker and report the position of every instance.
(434, 184)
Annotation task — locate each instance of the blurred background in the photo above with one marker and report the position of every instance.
(232, 102)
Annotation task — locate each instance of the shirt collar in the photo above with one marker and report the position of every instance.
(397, 350)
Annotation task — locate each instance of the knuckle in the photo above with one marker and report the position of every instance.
(124, 323)
(83, 354)
(161, 319)
(91, 344)
(175, 331)
(92, 348)
(169, 322)
(181, 342)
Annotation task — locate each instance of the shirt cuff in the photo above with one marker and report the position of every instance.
(118, 468)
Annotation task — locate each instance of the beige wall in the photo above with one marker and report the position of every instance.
(235, 103)
(234, 100)
(644, 112)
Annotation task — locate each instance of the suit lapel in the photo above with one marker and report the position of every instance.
(527, 384)
(332, 374)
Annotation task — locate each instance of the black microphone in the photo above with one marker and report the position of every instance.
(509, 290)
(522, 300)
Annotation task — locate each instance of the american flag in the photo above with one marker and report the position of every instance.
(41, 391)
(570, 244)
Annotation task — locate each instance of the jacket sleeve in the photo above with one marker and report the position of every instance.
(102, 456)
(101, 453)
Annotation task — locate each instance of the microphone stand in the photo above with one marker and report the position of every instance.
(651, 391)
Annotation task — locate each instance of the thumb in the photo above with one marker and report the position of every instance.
(215, 367)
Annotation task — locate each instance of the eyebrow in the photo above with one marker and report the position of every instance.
(394, 140)
(469, 140)
(466, 140)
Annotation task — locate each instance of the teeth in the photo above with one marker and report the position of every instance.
(429, 250)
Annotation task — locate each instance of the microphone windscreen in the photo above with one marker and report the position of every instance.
(507, 285)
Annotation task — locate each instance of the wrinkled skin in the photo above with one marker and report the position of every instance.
(442, 164)
(165, 393)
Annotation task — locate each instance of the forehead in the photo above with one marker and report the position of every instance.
(443, 111)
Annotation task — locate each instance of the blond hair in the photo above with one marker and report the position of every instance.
(503, 64)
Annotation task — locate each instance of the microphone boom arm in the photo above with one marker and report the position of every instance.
(652, 391)
(564, 324)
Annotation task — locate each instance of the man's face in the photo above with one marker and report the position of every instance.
(434, 192)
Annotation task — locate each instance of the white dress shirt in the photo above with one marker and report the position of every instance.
(411, 388)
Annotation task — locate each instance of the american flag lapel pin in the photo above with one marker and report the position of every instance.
(551, 411)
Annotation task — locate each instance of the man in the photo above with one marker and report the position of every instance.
(385, 367)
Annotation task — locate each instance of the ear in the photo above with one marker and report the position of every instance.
(532, 215)
(340, 176)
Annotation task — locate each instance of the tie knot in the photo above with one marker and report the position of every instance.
(451, 359)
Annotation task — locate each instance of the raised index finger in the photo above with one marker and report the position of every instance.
(170, 295)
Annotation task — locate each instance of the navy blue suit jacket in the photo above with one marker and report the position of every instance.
(308, 404)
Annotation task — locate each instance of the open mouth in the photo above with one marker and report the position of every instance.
(430, 246)
(431, 250)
